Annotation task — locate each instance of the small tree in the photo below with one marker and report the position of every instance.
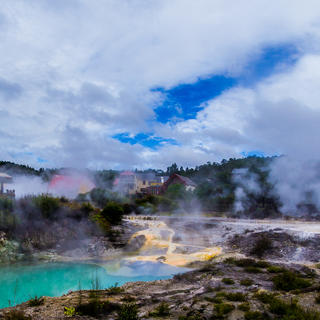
(113, 212)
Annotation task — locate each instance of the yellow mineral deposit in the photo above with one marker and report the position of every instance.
(159, 236)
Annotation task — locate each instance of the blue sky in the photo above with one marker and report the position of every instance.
(184, 101)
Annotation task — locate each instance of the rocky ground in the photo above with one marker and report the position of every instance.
(268, 270)
(226, 289)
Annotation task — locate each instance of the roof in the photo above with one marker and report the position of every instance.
(186, 180)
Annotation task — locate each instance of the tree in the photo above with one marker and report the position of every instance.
(113, 212)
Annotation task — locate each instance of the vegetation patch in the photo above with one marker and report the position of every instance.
(246, 282)
(35, 302)
(256, 315)
(95, 307)
(276, 269)
(228, 281)
(289, 280)
(16, 315)
(262, 245)
(222, 309)
(162, 310)
(244, 307)
(252, 270)
(236, 296)
(128, 311)
(115, 289)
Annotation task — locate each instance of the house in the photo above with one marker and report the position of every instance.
(130, 183)
(6, 193)
(177, 179)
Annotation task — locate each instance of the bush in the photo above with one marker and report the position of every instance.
(115, 289)
(16, 315)
(317, 299)
(261, 246)
(288, 281)
(113, 213)
(221, 309)
(35, 302)
(236, 296)
(128, 311)
(256, 315)
(276, 269)
(47, 205)
(244, 307)
(95, 307)
(246, 282)
(227, 281)
(162, 310)
(252, 270)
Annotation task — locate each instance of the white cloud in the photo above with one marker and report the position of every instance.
(80, 71)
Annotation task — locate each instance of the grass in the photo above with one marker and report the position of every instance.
(162, 310)
(128, 311)
(247, 263)
(16, 315)
(289, 280)
(228, 281)
(246, 282)
(35, 302)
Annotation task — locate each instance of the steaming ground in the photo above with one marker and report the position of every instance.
(182, 240)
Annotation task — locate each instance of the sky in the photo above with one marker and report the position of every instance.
(145, 83)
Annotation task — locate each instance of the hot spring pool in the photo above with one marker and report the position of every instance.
(19, 283)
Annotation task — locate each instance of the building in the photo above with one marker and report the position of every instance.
(6, 193)
(130, 183)
(177, 179)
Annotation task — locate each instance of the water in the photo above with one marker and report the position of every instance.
(19, 283)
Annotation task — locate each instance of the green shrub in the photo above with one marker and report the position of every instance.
(162, 310)
(261, 246)
(227, 281)
(276, 269)
(16, 315)
(246, 282)
(47, 205)
(318, 265)
(115, 289)
(252, 269)
(262, 264)
(95, 307)
(221, 309)
(265, 297)
(244, 306)
(256, 315)
(35, 302)
(70, 312)
(317, 299)
(128, 311)
(288, 280)
(291, 311)
(236, 296)
(112, 212)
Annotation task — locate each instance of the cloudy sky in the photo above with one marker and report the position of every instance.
(144, 83)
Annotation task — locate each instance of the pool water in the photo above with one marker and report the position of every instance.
(19, 283)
